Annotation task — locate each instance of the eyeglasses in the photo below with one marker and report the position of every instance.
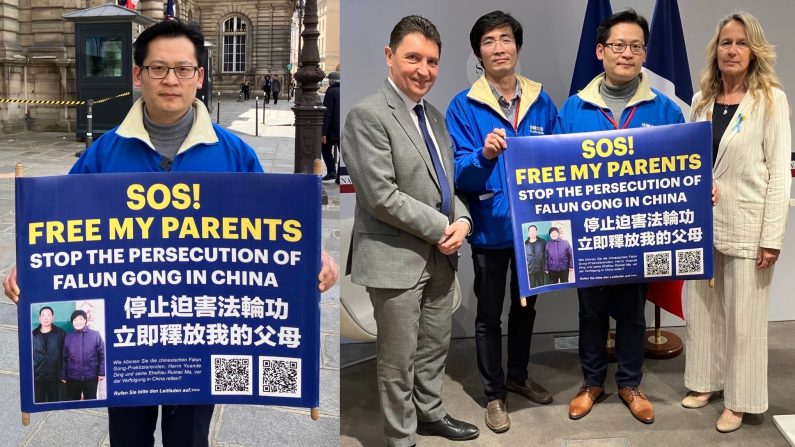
(491, 43)
(619, 47)
(161, 71)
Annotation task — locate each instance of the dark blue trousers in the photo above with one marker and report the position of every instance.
(491, 270)
(182, 425)
(626, 304)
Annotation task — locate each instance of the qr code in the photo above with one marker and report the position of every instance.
(657, 263)
(280, 377)
(231, 374)
(690, 262)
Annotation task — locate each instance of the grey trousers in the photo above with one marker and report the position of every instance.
(413, 338)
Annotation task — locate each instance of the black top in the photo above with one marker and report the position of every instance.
(722, 115)
(331, 117)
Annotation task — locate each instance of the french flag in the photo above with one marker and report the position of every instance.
(666, 57)
(587, 65)
(129, 4)
(668, 71)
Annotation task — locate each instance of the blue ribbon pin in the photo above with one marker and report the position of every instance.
(740, 119)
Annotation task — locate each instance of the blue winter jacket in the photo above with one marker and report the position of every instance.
(558, 255)
(583, 112)
(207, 148)
(83, 355)
(472, 115)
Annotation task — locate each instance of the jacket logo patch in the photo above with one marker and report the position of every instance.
(537, 130)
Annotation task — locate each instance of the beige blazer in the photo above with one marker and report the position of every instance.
(752, 174)
(397, 221)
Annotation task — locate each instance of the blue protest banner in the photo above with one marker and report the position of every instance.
(613, 207)
(168, 288)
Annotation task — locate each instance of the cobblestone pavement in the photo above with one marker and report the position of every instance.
(232, 425)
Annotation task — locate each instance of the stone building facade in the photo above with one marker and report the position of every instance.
(37, 50)
(328, 44)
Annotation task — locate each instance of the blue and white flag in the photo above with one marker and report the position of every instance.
(666, 60)
(171, 9)
(587, 65)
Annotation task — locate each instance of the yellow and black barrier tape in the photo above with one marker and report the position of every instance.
(58, 102)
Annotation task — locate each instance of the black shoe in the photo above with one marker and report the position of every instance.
(330, 177)
(449, 428)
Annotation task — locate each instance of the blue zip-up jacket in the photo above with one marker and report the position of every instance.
(83, 355)
(207, 148)
(583, 112)
(472, 115)
(558, 255)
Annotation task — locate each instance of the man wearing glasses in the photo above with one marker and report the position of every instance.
(499, 104)
(168, 130)
(619, 98)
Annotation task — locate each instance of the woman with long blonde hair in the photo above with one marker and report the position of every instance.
(727, 325)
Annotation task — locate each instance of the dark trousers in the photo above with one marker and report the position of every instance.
(537, 279)
(625, 303)
(558, 276)
(182, 425)
(327, 150)
(46, 391)
(275, 97)
(491, 268)
(81, 389)
(267, 95)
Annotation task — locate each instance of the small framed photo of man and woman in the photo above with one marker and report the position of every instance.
(548, 252)
(68, 350)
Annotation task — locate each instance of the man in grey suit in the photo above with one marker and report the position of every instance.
(407, 229)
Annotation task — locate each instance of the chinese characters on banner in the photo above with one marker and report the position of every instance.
(170, 289)
(611, 207)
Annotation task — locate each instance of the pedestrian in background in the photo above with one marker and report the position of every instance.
(276, 87)
(331, 126)
(266, 88)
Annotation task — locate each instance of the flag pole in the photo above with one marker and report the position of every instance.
(661, 344)
(19, 171)
(671, 76)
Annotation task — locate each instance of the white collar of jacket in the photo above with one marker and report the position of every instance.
(201, 132)
(590, 93)
(481, 92)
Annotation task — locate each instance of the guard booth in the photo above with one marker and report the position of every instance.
(103, 49)
(205, 94)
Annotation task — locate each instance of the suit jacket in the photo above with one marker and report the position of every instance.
(752, 174)
(397, 220)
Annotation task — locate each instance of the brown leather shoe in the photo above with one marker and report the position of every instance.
(497, 416)
(584, 400)
(531, 390)
(638, 404)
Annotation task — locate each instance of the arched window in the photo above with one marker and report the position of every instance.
(234, 35)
